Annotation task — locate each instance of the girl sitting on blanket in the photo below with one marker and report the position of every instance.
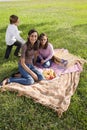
(46, 53)
(29, 74)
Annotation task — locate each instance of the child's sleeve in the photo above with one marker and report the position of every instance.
(18, 37)
(51, 52)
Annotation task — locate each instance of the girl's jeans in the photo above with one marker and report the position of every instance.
(26, 78)
(47, 64)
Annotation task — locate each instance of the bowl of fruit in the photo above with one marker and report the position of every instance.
(49, 74)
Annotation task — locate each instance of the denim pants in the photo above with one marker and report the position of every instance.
(47, 64)
(26, 78)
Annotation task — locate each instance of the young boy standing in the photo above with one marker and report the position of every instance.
(13, 37)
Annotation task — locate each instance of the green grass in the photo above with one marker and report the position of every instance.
(65, 22)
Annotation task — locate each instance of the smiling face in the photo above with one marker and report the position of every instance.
(43, 40)
(33, 37)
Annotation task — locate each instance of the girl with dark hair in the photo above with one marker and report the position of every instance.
(46, 51)
(29, 74)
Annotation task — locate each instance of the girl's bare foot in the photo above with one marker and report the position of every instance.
(17, 75)
(5, 81)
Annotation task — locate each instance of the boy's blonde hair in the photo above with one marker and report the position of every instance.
(13, 19)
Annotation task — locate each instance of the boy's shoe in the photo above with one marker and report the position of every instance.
(18, 55)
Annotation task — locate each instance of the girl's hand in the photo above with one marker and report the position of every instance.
(34, 76)
(42, 61)
(28, 69)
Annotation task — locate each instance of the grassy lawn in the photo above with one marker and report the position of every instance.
(65, 22)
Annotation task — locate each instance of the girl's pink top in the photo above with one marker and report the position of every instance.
(46, 53)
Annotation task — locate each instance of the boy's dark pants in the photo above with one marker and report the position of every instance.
(9, 48)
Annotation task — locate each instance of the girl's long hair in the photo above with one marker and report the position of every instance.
(28, 40)
(40, 37)
(28, 43)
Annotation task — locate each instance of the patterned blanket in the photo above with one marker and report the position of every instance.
(55, 93)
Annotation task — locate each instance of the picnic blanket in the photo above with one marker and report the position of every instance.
(55, 93)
